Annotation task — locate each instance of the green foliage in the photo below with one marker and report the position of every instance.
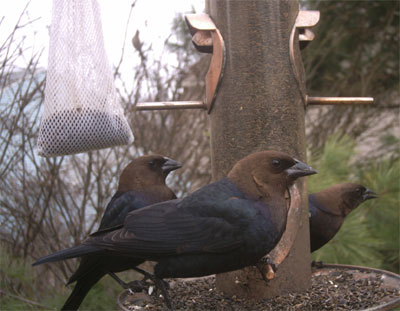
(17, 278)
(355, 52)
(356, 47)
(19, 291)
(370, 234)
(332, 163)
(103, 296)
(383, 216)
(15, 268)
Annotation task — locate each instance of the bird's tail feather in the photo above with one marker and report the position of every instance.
(82, 287)
(76, 251)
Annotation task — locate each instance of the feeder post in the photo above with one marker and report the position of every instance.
(260, 105)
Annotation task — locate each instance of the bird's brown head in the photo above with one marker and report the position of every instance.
(145, 171)
(352, 195)
(267, 173)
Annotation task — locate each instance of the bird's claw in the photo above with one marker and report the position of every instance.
(136, 286)
(269, 275)
(268, 261)
(160, 284)
(151, 288)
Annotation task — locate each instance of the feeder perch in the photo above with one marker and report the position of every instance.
(207, 39)
(339, 100)
(305, 37)
(307, 19)
(304, 21)
(294, 221)
(170, 105)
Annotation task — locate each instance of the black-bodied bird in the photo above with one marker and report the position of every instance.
(141, 183)
(224, 226)
(329, 208)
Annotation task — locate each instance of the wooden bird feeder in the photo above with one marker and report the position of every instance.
(256, 99)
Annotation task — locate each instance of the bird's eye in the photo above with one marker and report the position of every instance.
(152, 163)
(359, 190)
(276, 163)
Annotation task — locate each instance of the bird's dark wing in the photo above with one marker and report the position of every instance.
(121, 204)
(191, 225)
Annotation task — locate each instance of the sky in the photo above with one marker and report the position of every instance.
(152, 17)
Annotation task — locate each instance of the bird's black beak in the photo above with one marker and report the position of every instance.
(369, 194)
(170, 165)
(300, 169)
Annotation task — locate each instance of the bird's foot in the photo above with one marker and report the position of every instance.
(149, 276)
(268, 261)
(136, 286)
(267, 268)
(161, 284)
(133, 287)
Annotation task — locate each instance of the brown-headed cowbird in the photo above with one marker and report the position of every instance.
(328, 209)
(141, 183)
(224, 226)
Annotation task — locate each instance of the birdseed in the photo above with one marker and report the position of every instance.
(336, 290)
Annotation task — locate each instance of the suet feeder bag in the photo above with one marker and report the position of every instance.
(81, 109)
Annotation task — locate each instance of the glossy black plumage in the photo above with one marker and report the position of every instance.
(221, 227)
(328, 209)
(141, 183)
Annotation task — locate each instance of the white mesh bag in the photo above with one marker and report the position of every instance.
(81, 108)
